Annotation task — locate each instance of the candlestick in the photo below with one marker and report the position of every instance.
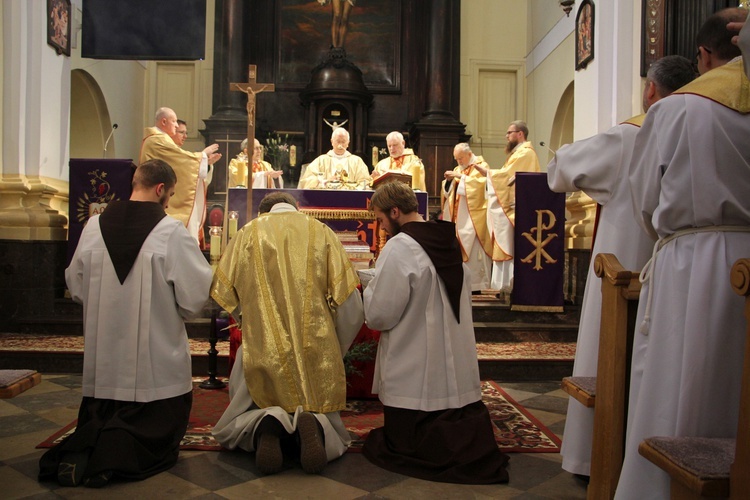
(233, 219)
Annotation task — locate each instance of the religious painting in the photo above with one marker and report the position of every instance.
(368, 30)
(584, 34)
(58, 25)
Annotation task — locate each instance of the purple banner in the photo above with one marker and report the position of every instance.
(539, 245)
(322, 200)
(93, 184)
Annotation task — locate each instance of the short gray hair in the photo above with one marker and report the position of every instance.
(243, 144)
(395, 135)
(340, 131)
(670, 73)
(463, 147)
(162, 113)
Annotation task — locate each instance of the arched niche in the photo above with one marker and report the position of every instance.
(89, 118)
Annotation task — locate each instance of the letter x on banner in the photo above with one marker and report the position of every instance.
(539, 254)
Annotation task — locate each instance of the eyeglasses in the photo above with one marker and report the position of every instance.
(511, 132)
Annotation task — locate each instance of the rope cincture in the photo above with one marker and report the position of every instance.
(645, 277)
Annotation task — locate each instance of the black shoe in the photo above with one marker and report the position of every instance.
(71, 468)
(312, 448)
(98, 480)
(268, 456)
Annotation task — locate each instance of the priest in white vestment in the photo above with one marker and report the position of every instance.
(464, 202)
(598, 166)
(292, 277)
(139, 275)
(426, 371)
(689, 178)
(189, 202)
(336, 169)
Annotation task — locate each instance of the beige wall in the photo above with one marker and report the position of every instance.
(493, 83)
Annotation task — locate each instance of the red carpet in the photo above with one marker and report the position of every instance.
(516, 430)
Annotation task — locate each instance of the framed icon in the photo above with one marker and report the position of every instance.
(584, 34)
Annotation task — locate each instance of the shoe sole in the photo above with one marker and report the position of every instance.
(312, 451)
(268, 456)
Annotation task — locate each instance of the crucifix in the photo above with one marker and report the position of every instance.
(250, 88)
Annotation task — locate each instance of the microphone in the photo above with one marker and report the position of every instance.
(544, 145)
(108, 138)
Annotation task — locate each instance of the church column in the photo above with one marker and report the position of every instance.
(227, 126)
(228, 66)
(438, 130)
(34, 172)
(35, 128)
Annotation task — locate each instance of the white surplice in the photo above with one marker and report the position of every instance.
(236, 427)
(598, 166)
(426, 360)
(690, 169)
(135, 343)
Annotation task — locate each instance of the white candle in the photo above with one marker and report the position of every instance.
(374, 155)
(232, 228)
(293, 155)
(232, 225)
(215, 242)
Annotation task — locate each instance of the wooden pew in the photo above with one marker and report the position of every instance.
(712, 467)
(620, 291)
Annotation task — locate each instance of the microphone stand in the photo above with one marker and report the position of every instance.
(111, 133)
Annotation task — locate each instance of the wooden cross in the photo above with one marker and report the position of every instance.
(251, 87)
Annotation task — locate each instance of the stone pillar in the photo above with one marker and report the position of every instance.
(228, 125)
(438, 130)
(34, 167)
(35, 130)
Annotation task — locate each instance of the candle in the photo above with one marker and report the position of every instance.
(293, 155)
(233, 217)
(416, 179)
(374, 155)
(215, 242)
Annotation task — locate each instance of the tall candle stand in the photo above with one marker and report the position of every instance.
(212, 382)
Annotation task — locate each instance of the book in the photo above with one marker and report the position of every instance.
(392, 176)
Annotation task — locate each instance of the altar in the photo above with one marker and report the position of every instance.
(341, 210)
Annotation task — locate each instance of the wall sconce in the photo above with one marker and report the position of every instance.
(567, 6)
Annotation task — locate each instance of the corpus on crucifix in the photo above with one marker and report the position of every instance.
(251, 88)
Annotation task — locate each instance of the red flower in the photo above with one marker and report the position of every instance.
(102, 189)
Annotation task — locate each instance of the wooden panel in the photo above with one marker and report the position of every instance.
(496, 104)
(176, 88)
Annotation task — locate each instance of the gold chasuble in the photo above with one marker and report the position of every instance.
(727, 85)
(477, 202)
(522, 159)
(291, 354)
(637, 120)
(408, 163)
(158, 145)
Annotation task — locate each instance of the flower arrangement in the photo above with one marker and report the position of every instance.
(277, 150)
(359, 352)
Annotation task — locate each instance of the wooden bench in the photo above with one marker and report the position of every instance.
(14, 382)
(712, 467)
(607, 393)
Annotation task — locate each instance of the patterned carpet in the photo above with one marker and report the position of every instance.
(485, 350)
(516, 430)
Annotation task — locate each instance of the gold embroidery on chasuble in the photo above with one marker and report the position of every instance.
(727, 85)
(291, 354)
